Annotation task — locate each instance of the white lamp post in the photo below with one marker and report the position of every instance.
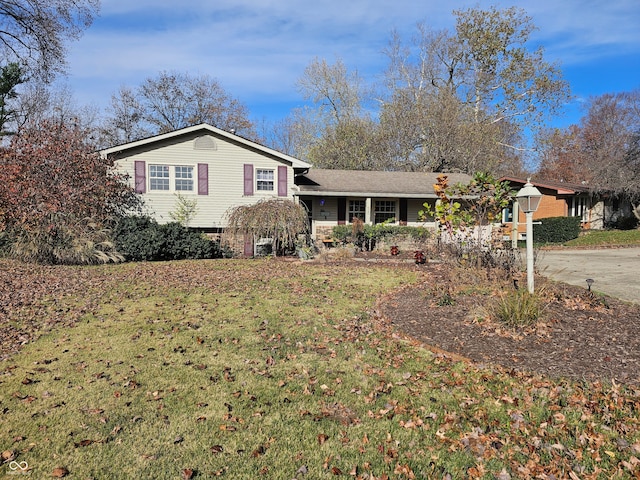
(528, 200)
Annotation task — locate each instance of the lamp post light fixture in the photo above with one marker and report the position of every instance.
(528, 200)
(589, 283)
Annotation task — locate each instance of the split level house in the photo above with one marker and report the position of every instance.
(221, 170)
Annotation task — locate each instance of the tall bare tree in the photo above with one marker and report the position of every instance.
(337, 93)
(124, 121)
(33, 33)
(175, 100)
(336, 131)
(460, 99)
(561, 155)
(170, 101)
(610, 132)
(603, 151)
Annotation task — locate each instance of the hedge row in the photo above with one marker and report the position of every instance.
(372, 234)
(143, 239)
(556, 229)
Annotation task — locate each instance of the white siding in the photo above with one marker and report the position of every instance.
(226, 178)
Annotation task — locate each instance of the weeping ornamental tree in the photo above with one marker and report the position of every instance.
(277, 219)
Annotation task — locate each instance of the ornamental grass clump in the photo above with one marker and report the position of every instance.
(518, 308)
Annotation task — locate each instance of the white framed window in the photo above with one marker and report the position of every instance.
(170, 178)
(357, 209)
(159, 177)
(384, 210)
(265, 180)
(184, 179)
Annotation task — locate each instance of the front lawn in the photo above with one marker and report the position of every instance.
(600, 238)
(274, 369)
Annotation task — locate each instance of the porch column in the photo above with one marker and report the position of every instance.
(515, 213)
(367, 211)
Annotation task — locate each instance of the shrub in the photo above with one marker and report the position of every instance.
(369, 235)
(556, 229)
(139, 239)
(58, 196)
(143, 239)
(181, 243)
(62, 242)
(517, 309)
(625, 223)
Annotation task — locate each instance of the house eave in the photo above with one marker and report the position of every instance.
(316, 193)
(120, 149)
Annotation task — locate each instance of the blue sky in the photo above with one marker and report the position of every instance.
(257, 49)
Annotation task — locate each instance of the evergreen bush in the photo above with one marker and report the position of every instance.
(181, 243)
(556, 229)
(140, 238)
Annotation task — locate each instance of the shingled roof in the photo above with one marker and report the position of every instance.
(561, 188)
(365, 183)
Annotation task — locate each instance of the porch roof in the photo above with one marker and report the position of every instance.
(366, 183)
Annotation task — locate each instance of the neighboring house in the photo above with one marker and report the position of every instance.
(216, 168)
(561, 199)
(335, 197)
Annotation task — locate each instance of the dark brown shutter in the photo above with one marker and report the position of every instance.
(248, 246)
(140, 178)
(342, 210)
(282, 181)
(203, 179)
(403, 211)
(248, 179)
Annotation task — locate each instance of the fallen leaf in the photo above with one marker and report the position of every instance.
(83, 443)
(323, 437)
(60, 472)
(217, 449)
(261, 450)
(8, 455)
(187, 474)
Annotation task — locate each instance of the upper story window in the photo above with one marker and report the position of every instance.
(265, 180)
(171, 178)
(158, 177)
(184, 179)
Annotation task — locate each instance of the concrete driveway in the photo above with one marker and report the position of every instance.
(615, 271)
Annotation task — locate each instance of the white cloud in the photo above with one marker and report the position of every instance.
(258, 48)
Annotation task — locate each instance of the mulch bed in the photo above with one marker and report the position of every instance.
(581, 336)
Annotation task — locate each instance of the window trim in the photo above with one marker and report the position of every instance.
(173, 178)
(351, 212)
(375, 211)
(265, 181)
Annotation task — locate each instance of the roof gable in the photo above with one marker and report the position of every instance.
(176, 135)
(561, 188)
